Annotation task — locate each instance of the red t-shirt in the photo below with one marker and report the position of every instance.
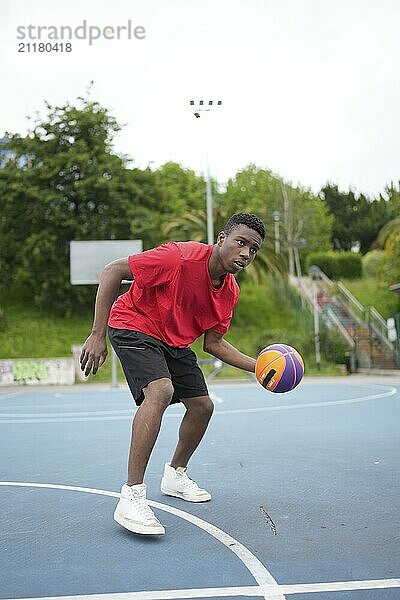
(172, 297)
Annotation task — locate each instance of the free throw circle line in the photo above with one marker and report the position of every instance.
(390, 392)
(119, 417)
(251, 562)
(268, 591)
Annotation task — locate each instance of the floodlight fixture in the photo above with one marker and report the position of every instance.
(199, 106)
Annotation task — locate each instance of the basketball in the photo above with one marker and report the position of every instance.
(279, 368)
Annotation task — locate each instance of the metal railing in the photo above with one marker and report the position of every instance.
(328, 315)
(365, 315)
(352, 301)
(335, 321)
(217, 364)
(362, 317)
(379, 326)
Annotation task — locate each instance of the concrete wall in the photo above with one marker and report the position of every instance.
(37, 371)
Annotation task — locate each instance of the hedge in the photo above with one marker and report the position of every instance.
(336, 265)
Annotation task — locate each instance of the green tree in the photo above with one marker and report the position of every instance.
(375, 264)
(303, 216)
(391, 199)
(355, 218)
(144, 215)
(388, 240)
(183, 201)
(172, 205)
(64, 184)
(388, 237)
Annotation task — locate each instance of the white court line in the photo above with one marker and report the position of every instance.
(119, 412)
(251, 562)
(252, 591)
(390, 392)
(261, 591)
(268, 588)
(74, 419)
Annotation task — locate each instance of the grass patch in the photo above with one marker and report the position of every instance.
(266, 314)
(372, 292)
(27, 332)
(273, 313)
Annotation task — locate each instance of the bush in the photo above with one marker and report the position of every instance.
(336, 265)
(333, 346)
(375, 264)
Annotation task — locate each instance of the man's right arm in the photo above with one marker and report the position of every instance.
(94, 351)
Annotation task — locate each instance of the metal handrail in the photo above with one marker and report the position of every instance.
(325, 278)
(217, 364)
(343, 289)
(331, 315)
(360, 314)
(378, 317)
(379, 326)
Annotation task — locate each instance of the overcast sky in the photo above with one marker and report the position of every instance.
(310, 88)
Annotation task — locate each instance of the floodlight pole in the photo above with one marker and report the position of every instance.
(209, 201)
(198, 107)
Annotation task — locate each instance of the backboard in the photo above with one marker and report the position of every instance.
(88, 258)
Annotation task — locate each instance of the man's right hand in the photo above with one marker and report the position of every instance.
(94, 354)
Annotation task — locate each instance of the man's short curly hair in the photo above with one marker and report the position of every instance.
(251, 221)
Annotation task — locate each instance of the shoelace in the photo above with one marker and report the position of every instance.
(143, 509)
(189, 484)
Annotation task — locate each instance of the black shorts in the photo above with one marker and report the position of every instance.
(145, 359)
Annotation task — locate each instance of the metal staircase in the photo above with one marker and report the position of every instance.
(364, 329)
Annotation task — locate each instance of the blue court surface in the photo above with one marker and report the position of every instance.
(305, 492)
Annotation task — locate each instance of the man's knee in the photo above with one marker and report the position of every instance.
(202, 406)
(159, 391)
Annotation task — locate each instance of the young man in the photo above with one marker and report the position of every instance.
(181, 290)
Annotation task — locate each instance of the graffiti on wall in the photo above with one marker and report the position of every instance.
(47, 371)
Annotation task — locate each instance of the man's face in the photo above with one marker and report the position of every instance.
(239, 248)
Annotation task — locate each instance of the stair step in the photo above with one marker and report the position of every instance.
(370, 351)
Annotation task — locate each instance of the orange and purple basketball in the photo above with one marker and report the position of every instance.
(279, 368)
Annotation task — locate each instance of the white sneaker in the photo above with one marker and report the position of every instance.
(176, 483)
(133, 512)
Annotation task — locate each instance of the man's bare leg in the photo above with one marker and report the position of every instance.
(193, 427)
(146, 426)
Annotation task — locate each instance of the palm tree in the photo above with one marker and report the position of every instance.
(187, 226)
(193, 226)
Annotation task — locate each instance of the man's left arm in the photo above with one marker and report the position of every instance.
(215, 344)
